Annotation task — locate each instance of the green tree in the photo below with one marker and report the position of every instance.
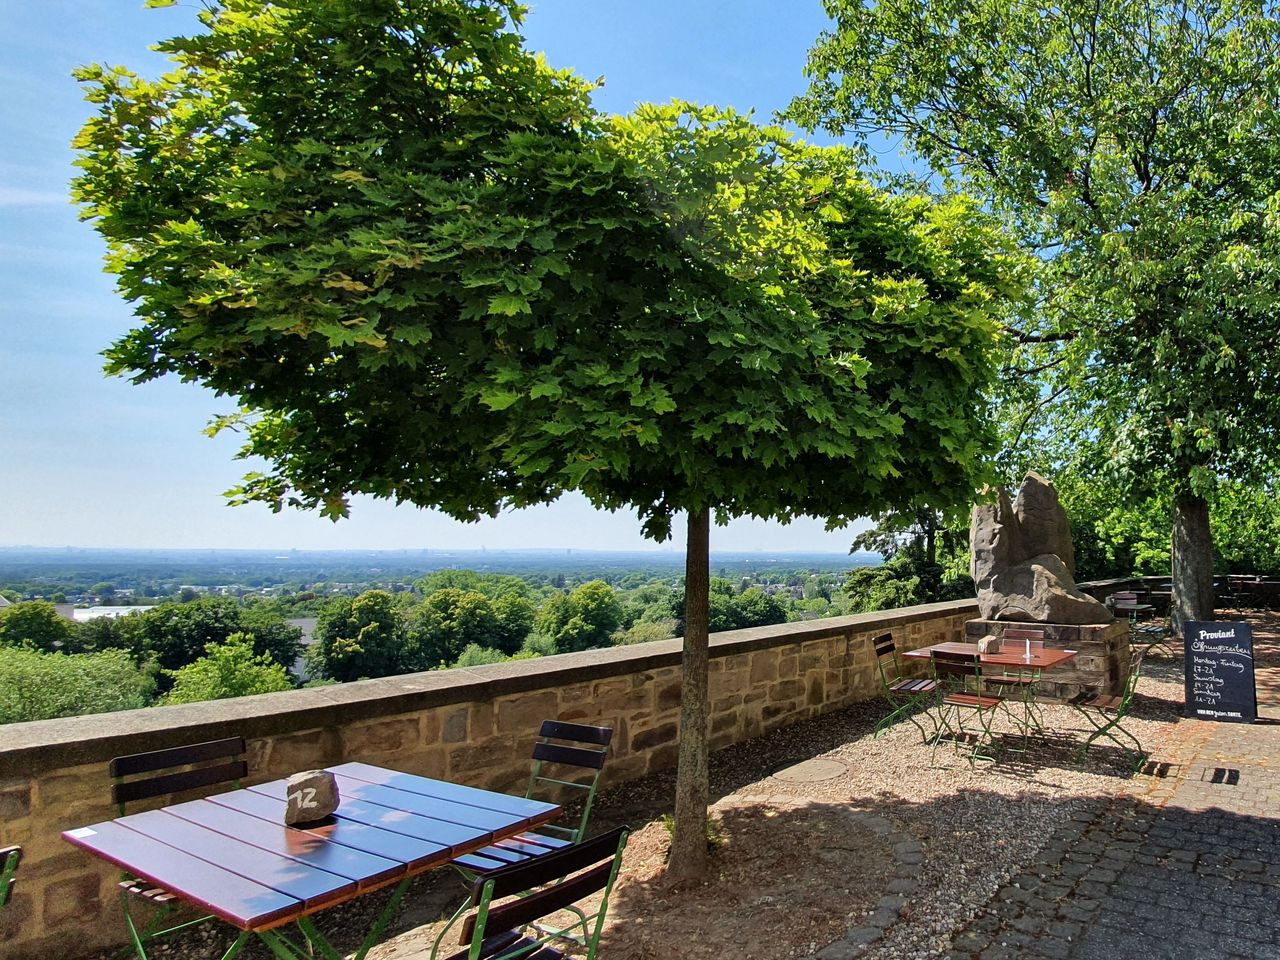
(35, 624)
(449, 621)
(41, 686)
(904, 580)
(1136, 145)
(492, 585)
(515, 615)
(176, 634)
(429, 272)
(358, 638)
(755, 608)
(583, 619)
(229, 669)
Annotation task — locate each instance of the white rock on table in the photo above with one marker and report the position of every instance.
(312, 795)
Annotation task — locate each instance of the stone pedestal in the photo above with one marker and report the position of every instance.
(1101, 661)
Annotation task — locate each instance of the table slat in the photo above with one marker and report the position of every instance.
(413, 853)
(242, 903)
(487, 799)
(443, 810)
(452, 837)
(311, 885)
(1044, 659)
(365, 869)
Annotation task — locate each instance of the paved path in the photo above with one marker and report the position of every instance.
(1184, 866)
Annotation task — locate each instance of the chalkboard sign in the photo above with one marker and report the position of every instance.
(1218, 666)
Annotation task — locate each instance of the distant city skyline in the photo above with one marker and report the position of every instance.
(88, 461)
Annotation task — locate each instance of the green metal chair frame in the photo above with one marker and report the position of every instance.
(904, 694)
(1022, 683)
(541, 887)
(212, 763)
(10, 857)
(559, 743)
(961, 690)
(1152, 635)
(1105, 712)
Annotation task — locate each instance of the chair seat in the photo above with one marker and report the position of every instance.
(517, 849)
(509, 942)
(1097, 701)
(914, 686)
(971, 700)
(140, 888)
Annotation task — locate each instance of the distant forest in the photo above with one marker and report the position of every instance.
(190, 626)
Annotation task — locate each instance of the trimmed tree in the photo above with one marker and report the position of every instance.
(428, 272)
(1137, 146)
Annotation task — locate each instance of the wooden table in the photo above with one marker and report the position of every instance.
(1133, 609)
(1042, 658)
(232, 855)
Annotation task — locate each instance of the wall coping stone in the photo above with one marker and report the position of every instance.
(27, 749)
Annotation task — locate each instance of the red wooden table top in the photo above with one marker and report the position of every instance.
(232, 855)
(1042, 658)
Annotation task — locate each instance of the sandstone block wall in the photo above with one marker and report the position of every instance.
(473, 726)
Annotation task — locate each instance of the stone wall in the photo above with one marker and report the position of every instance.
(473, 726)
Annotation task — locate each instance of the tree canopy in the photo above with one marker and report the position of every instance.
(1137, 147)
(428, 271)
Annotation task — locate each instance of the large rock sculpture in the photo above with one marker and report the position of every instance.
(1022, 560)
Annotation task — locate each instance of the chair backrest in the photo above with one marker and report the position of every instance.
(1022, 633)
(10, 857)
(573, 745)
(948, 664)
(207, 764)
(566, 877)
(1124, 596)
(887, 658)
(1136, 653)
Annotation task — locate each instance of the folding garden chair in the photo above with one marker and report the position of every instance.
(1106, 711)
(962, 692)
(1019, 685)
(10, 857)
(1152, 634)
(158, 773)
(562, 878)
(559, 745)
(904, 694)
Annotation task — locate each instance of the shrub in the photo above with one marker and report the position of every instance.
(40, 686)
(228, 669)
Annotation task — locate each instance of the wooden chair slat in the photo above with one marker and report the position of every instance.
(1020, 633)
(550, 866)
(581, 732)
(175, 757)
(883, 644)
(177, 782)
(572, 756)
(524, 911)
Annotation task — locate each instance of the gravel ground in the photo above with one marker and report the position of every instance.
(978, 828)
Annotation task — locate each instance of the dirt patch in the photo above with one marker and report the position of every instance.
(788, 878)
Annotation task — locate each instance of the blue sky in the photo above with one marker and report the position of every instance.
(91, 461)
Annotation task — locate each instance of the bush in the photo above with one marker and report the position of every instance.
(35, 625)
(228, 669)
(41, 686)
(475, 655)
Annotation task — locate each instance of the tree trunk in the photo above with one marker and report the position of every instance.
(1193, 597)
(689, 842)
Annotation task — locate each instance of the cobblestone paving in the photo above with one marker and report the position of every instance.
(1185, 864)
